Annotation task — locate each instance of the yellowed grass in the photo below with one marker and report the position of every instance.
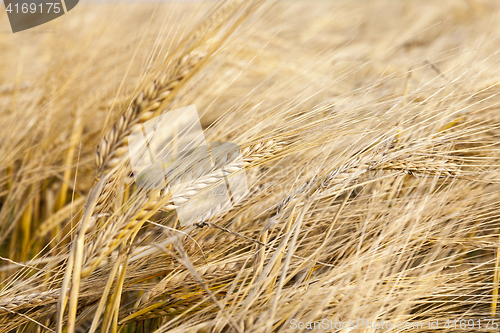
(370, 132)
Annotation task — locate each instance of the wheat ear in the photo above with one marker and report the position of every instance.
(122, 226)
(356, 167)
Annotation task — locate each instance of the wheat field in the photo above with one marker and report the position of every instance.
(369, 132)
